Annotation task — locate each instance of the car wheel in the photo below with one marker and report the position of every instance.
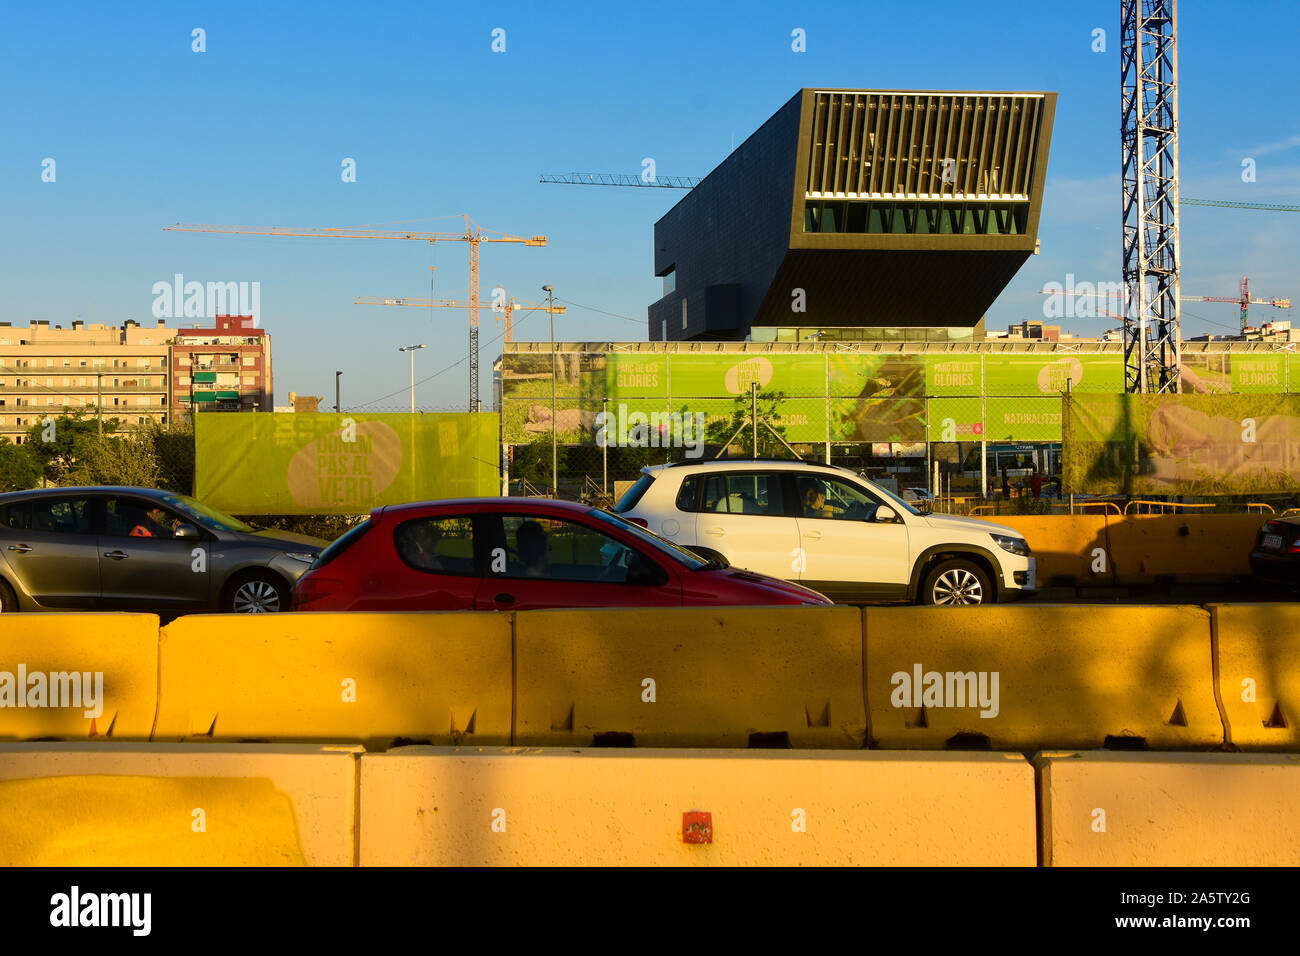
(956, 582)
(8, 600)
(256, 594)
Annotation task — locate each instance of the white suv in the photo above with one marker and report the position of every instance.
(831, 530)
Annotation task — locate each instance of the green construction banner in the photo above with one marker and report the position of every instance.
(286, 463)
(1208, 444)
(824, 396)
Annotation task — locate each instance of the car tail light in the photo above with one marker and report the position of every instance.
(311, 589)
(641, 521)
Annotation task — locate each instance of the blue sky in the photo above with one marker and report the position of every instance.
(145, 132)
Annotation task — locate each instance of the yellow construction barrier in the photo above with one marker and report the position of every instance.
(176, 805)
(1188, 549)
(1258, 652)
(432, 806)
(1130, 809)
(370, 679)
(1026, 677)
(78, 676)
(690, 677)
(1068, 549)
(1137, 549)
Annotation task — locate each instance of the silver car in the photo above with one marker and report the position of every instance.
(111, 548)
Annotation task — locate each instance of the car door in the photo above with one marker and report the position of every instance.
(537, 561)
(436, 568)
(743, 517)
(143, 565)
(49, 544)
(846, 553)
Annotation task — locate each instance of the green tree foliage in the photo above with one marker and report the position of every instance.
(115, 461)
(57, 444)
(719, 429)
(18, 469)
(173, 450)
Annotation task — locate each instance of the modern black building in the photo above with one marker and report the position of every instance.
(858, 214)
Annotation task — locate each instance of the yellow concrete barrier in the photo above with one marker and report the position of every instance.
(175, 805)
(437, 806)
(690, 677)
(363, 678)
(1258, 648)
(78, 676)
(1068, 549)
(1028, 677)
(1187, 548)
(1130, 809)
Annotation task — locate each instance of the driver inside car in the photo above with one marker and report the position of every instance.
(813, 493)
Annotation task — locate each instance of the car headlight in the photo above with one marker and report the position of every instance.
(1014, 545)
(304, 556)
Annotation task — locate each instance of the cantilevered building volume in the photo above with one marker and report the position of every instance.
(858, 215)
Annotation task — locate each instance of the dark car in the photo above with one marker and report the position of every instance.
(1276, 555)
(518, 554)
(109, 548)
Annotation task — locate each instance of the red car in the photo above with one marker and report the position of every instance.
(520, 554)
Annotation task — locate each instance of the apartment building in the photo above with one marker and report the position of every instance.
(224, 368)
(43, 370)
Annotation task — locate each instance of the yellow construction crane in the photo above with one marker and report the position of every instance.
(472, 235)
(509, 306)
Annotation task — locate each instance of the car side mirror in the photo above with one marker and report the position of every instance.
(885, 514)
(187, 531)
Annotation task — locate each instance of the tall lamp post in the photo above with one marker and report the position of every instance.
(412, 349)
(337, 391)
(555, 473)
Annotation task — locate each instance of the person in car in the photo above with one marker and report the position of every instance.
(155, 524)
(531, 540)
(814, 499)
(422, 541)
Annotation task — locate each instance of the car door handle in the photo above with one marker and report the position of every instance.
(719, 532)
(20, 548)
(115, 555)
(504, 599)
(815, 535)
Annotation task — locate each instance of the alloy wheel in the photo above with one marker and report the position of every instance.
(958, 586)
(256, 597)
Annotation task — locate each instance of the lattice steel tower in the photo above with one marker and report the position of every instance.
(1149, 89)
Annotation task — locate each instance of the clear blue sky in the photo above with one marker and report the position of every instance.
(146, 132)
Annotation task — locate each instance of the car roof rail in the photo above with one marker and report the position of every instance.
(752, 461)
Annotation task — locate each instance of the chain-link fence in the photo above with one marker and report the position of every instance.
(76, 448)
(953, 446)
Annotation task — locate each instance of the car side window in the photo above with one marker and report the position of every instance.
(553, 549)
(16, 516)
(61, 516)
(137, 518)
(826, 497)
(688, 495)
(747, 493)
(437, 545)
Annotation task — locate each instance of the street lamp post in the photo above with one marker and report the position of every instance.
(337, 377)
(411, 349)
(555, 473)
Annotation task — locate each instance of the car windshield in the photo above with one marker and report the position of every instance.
(209, 517)
(897, 500)
(680, 555)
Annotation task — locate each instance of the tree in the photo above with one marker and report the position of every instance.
(18, 469)
(173, 450)
(115, 461)
(57, 444)
(720, 429)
